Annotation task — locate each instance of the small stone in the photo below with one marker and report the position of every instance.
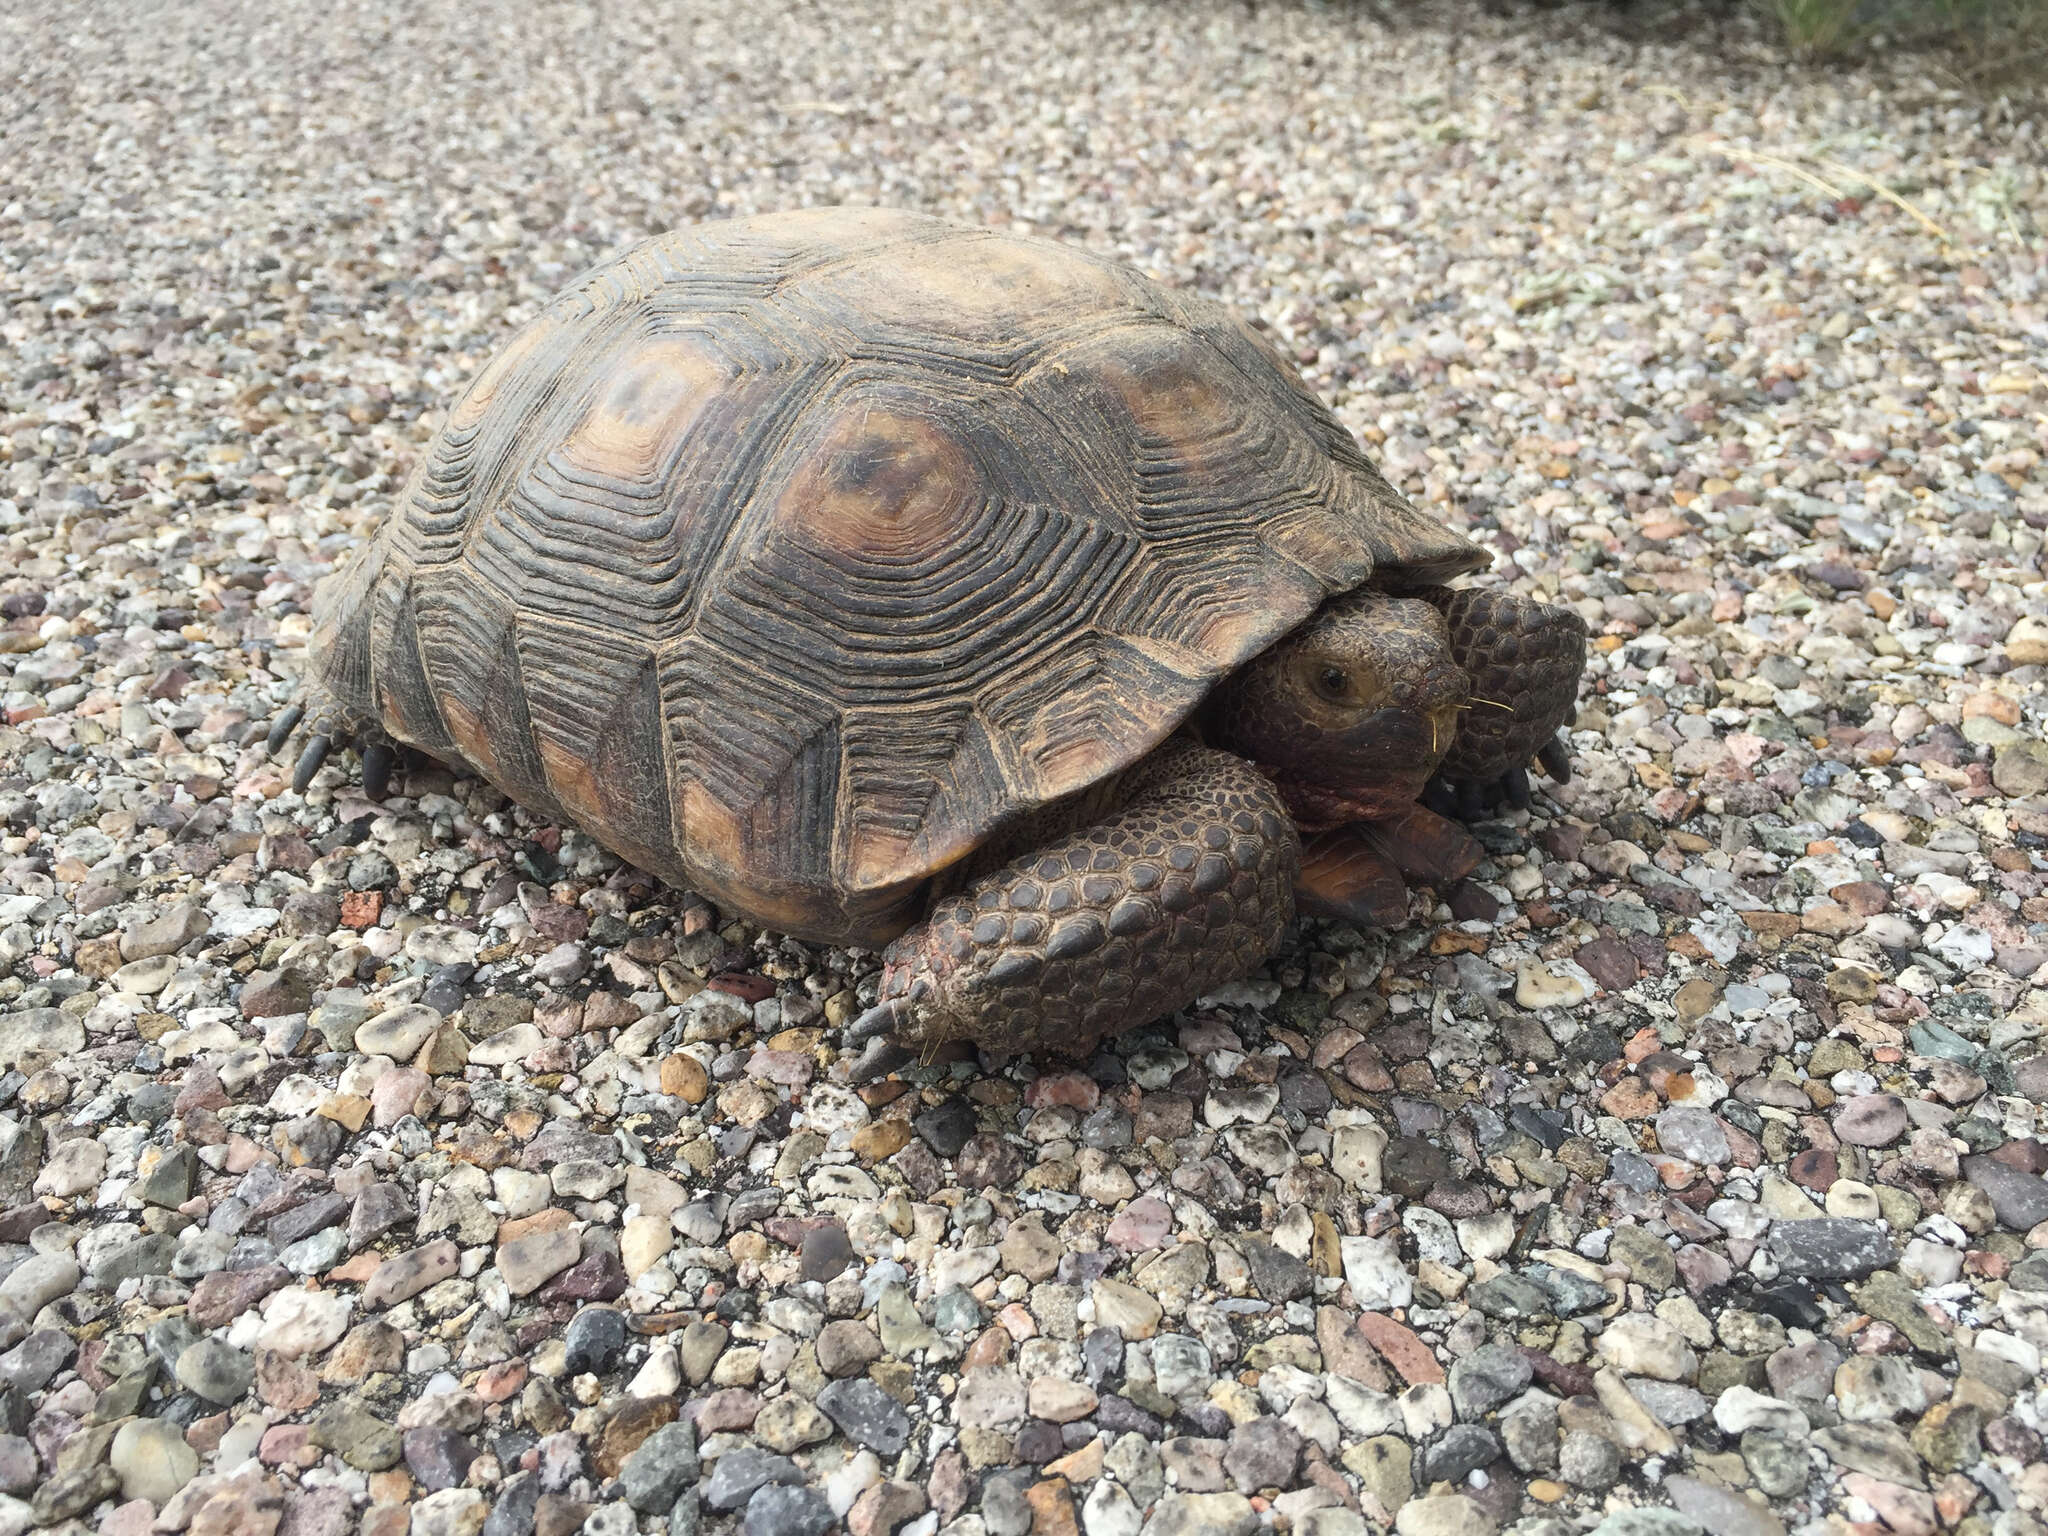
(530, 1261)
(1539, 986)
(887, 1506)
(405, 1275)
(451, 1512)
(1831, 1248)
(2021, 768)
(789, 1423)
(946, 1126)
(2020, 1200)
(1871, 1119)
(1127, 1309)
(300, 1322)
(1482, 1381)
(1721, 1511)
(658, 1471)
(169, 1183)
(152, 1460)
(215, 1371)
(1872, 1388)
(1693, 1134)
(738, 1474)
(1448, 1514)
(826, 1251)
(1648, 1258)
(1779, 1464)
(1529, 1435)
(30, 1364)
(1379, 1281)
(225, 1294)
(846, 1348)
(1589, 1461)
(1262, 1453)
(1648, 1346)
(437, 1456)
(780, 1510)
(1059, 1401)
(164, 934)
(1110, 1511)
(1458, 1452)
(866, 1415)
(398, 1032)
(1740, 1409)
(356, 1435)
(595, 1339)
(1205, 1514)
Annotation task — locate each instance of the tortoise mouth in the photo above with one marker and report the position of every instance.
(1374, 768)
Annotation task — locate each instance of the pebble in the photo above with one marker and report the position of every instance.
(1831, 1248)
(1647, 1346)
(1871, 1388)
(215, 1371)
(866, 1415)
(152, 1460)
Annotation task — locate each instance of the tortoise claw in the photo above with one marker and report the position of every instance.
(1471, 803)
(377, 761)
(881, 1057)
(877, 1023)
(1556, 759)
(1515, 784)
(281, 728)
(1437, 796)
(309, 762)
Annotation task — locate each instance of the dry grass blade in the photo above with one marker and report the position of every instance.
(1892, 197)
(1821, 184)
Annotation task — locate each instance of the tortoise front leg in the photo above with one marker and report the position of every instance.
(1361, 872)
(1524, 660)
(1186, 886)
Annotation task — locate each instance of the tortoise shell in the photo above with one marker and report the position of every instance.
(796, 557)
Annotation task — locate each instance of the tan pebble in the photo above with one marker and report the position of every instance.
(880, 1139)
(1995, 706)
(1696, 999)
(348, 1109)
(684, 1077)
(444, 1054)
(2026, 643)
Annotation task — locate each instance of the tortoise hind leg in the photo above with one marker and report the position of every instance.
(1185, 885)
(325, 728)
(1524, 660)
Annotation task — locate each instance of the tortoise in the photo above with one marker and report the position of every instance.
(898, 583)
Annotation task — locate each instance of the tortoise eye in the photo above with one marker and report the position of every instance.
(1332, 682)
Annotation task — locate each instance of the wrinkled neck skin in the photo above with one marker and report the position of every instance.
(1361, 751)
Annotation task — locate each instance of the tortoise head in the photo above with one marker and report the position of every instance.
(1350, 714)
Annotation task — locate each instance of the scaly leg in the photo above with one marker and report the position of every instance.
(1361, 872)
(324, 727)
(1187, 885)
(1524, 660)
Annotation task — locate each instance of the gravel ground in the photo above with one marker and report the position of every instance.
(414, 1167)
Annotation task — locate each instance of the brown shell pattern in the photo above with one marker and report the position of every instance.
(794, 557)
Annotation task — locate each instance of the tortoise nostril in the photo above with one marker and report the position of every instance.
(1435, 688)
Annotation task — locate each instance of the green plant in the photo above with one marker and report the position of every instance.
(1816, 29)
(1988, 37)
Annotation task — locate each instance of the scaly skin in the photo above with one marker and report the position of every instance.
(1185, 887)
(1524, 660)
